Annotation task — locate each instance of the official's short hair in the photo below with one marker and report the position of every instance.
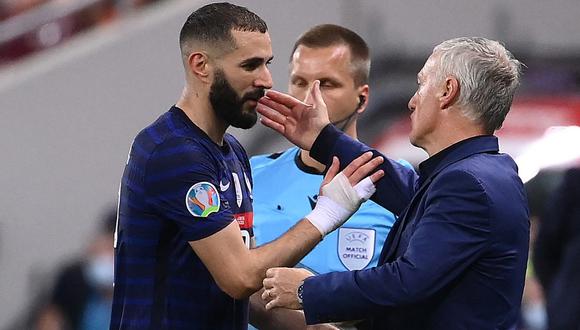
(488, 76)
(326, 35)
(211, 26)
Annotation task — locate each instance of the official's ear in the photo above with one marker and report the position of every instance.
(363, 97)
(199, 66)
(361, 101)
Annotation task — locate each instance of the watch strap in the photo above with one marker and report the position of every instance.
(300, 293)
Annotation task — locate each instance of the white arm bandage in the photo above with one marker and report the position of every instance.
(339, 200)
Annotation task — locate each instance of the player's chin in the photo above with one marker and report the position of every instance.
(247, 119)
(249, 108)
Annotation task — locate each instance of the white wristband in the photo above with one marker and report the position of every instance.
(339, 200)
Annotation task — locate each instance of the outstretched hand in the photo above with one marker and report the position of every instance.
(300, 122)
(342, 193)
(359, 169)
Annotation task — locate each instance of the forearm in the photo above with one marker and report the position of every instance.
(397, 187)
(451, 245)
(239, 271)
(285, 251)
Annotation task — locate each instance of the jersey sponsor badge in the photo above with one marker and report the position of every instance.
(356, 247)
(202, 199)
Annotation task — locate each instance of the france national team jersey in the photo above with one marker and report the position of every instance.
(285, 190)
(178, 186)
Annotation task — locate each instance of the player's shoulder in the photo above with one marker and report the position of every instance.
(167, 126)
(273, 159)
(165, 141)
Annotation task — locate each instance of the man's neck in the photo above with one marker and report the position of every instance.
(198, 109)
(454, 129)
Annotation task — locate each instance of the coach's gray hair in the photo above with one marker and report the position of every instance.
(488, 76)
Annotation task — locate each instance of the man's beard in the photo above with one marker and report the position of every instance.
(229, 106)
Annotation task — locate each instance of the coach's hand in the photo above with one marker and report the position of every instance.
(342, 194)
(281, 287)
(300, 122)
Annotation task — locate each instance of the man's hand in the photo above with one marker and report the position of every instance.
(300, 122)
(356, 173)
(342, 194)
(281, 287)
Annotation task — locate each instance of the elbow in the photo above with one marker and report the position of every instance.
(239, 293)
(239, 287)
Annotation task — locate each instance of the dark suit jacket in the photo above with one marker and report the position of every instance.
(455, 258)
(557, 254)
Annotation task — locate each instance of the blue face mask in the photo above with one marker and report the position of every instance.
(100, 272)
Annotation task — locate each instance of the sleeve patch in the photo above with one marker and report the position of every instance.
(202, 199)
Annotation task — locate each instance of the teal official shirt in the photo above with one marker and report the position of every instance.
(285, 190)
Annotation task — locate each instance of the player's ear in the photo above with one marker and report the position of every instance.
(199, 65)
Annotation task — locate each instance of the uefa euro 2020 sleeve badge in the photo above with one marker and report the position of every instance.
(202, 199)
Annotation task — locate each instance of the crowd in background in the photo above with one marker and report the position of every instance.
(28, 26)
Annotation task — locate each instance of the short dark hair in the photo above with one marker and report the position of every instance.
(212, 25)
(326, 35)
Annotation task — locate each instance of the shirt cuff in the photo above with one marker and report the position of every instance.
(322, 148)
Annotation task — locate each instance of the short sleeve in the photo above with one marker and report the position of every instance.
(182, 179)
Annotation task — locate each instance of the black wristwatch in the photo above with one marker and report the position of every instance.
(300, 293)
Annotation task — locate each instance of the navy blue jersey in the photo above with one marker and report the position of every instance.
(178, 186)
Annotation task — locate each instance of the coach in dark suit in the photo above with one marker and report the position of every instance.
(456, 257)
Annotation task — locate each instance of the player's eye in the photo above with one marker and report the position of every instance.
(250, 66)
